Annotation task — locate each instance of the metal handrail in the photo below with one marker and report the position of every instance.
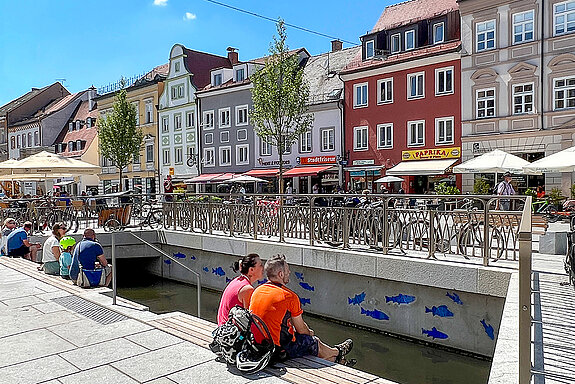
(525, 252)
(114, 286)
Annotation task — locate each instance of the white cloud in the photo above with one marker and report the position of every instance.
(161, 3)
(189, 16)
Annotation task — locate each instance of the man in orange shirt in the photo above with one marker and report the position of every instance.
(280, 309)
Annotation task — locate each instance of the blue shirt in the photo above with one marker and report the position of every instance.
(65, 262)
(85, 254)
(16, 239)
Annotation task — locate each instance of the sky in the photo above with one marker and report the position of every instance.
(95, 42)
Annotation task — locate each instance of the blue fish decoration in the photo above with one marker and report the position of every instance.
(299, 275)
(205, 269)
(218, 271)
(357, 299)
(400, 299)
(488, 329)
(441, 311)
(168, 261)
(304, 301)
(376, 314)
(433, 332)
(307, 287)
(260, 282)
(455, 298)
(179, 255)
(228, 280)
(192, 257)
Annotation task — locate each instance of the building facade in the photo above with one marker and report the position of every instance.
(518, 82)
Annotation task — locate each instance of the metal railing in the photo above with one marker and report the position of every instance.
(525, 251)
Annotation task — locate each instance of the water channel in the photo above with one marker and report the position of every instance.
(398, 360)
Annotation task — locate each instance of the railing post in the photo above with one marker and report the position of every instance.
(174, 210)
(486, 244)
(231, 218)
(281, 219)
(255, 216)
(114, 284)
(210, 215)
(385, 229)
(431, 245)
(345, 227)
(311, 222)
(525, 250)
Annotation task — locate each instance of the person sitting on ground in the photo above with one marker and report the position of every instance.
(89, 255)
(51, 250)
(9, 225)
(18, 245)
(239, 290)
(281, 311)
(67, 243)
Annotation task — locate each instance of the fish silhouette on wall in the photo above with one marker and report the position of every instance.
(299, 275)
(400, 299)
(433, 332)
(357, 299)
(205, 269)
(168, 261)
(441, 311)
(455, 298)
(179, 255)
(304, 301)
(192, 257)
(488, 329)
(307, 287)
(218, 271)
(260, 282)
(376, 314)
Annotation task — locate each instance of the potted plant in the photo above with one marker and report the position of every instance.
(445, 189)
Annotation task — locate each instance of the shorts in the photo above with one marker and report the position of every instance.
(19, 252)
(304, 345)
(51, 268)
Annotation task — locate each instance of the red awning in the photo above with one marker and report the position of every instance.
(306, 171)
(269, 172)
(204, 178)
(223, 177)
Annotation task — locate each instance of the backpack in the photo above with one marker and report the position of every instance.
(235, 342)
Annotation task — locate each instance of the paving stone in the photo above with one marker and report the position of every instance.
(154, 339)
(161, 380)
(35, 371)
(31, 345)
(103, 374)
(102, 353)
(23, 301)
(25, 319)
(49, 307)
(77, 332)
(210, 372)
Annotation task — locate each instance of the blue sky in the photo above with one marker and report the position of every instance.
(94, 42)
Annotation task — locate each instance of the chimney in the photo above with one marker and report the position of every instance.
(232, 55)
(92, 93)
(336, 45)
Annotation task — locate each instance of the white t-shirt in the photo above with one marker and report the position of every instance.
(47, 254)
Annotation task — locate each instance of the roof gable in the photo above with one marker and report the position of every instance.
(199, 64)
(412, 11)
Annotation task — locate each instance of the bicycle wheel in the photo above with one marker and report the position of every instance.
(112, 225)
(415, 235)
(155, 218)
(551, 214)
(497, 242)
(469, 243)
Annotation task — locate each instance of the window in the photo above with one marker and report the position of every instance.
(564, 17)
(180, 91)
(71, 146)
(438, 36)
(225, 137)
(385, 136)
(13, 142)
(395, 43)
(224, 117)
(165, 124)
(209, 138)
(177, 91)
(80, 147)
(369, 49)
(265, 148)
(242, 154)
(242, 115)
(70, 126)
(208, 118)
(79, 124)
(149, 112)
(178, 121)
(166, 156)
(409, 40)
(190, 119)
(225, 156)
(305, 142)
(29, 139)
(240, 75)
(444, 81)
(287, 148)
(137, 109)
(415, 85)
(564, 93)
(149, 153)
(360, 95)
(444, 130)
(385, 91)
(360, 138)
(23, 140)
(327, 139)
(89, 122)
(523, 27)
(36, 138)
(218, 79)
(178, 158)
(415, 133)
(523, 98)
(209, 160)
(136, 159)
(242, 134)
(485, 35)
(485, 103)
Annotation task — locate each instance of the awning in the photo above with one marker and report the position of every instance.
(223, 177)
(63, 183)
(421, 167)
(307, 171)
(267, 172)
(203, 178)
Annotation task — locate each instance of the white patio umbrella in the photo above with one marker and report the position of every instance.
(247, 179)
(47, 163)
(389, 179)
(563, 161)
(496, 161)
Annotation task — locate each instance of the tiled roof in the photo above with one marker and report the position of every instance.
(22, 99)
(58, 104)
(83, 112)
(85, 134)
(200, 64)
(161, 70)
(412, 11)
(358, 65)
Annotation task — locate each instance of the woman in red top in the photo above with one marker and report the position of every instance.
(239, 290)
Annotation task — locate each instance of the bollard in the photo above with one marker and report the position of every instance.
(114, 284)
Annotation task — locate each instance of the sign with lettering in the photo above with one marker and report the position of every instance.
(317, 160)
(431, 153)
(363, 162)
(262, 162)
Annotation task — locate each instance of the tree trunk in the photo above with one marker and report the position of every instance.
(120, 181)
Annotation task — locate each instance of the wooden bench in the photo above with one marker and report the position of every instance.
(539, 224)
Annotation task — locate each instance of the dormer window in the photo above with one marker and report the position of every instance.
(88, 122)
(409, 40)
(370, 49)
(70, 126)
(240, 75)
(218, 79)
(438, 33)
(78, 125)
(78, 144)
(395, 43)
(70, 146)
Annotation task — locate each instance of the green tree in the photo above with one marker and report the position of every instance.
(120, 139)
(280, 96)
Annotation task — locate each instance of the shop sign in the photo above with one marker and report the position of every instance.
(364, 162)
(431, 154)
(310, 160)
(364, 173)
(271, 162)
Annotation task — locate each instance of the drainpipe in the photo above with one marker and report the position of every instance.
(542, 71)
(340, 105)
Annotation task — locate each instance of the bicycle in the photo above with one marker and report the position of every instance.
(570, 257)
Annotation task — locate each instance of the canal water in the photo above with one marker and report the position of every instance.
(394, 359)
